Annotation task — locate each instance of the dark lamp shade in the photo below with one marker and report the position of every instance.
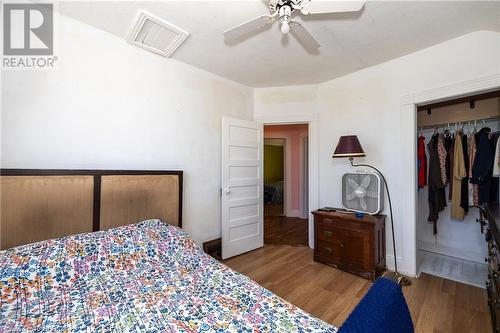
(349, 146)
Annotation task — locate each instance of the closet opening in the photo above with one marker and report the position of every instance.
(456, 145)
(286, 184)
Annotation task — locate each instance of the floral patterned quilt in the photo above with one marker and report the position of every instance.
(145, 277)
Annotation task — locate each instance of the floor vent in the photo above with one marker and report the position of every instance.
(156, 35)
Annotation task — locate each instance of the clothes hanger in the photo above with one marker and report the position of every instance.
(446, 130)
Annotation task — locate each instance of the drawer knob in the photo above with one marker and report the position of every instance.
(328, 233)
(341, 244)
(327, 220)
(328, 250)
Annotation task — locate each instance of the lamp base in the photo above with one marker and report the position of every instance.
(402, 280)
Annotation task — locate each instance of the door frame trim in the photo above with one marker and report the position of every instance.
(406, 233)
(312, 121)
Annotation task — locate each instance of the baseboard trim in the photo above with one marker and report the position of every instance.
(292, 213)
(389, 261)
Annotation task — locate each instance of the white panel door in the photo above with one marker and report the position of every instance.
(242, 186)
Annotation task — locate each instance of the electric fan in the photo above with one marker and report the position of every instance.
(362, 192)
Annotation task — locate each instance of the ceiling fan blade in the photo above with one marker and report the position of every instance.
(303, 36)
(248, 27)
(325, 7)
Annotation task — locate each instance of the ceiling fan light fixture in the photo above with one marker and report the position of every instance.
(285, 27)
(283, 10)
(285, 13)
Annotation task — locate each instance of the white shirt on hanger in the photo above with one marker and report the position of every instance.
(496, 163)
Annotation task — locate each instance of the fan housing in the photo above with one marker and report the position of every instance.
(363, 192)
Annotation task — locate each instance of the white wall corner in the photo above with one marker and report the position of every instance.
(402, 265)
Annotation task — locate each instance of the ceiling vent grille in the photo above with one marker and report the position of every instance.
(156, 35)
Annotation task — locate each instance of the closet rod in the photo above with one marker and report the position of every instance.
(479, 122)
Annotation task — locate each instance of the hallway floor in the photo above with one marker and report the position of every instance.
(282, 230)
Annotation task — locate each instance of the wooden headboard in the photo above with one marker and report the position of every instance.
(42, 204)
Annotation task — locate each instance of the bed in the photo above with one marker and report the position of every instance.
(72, 259)
(273, 193)
(145, 277)
(115, 275)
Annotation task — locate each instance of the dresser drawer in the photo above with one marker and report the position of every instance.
(324, 222)
(328, 233)
(349, 243)
(330, 251)
(494, 304)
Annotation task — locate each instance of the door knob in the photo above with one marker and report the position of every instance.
(228, 190)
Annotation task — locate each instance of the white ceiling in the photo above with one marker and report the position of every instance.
(381, 31)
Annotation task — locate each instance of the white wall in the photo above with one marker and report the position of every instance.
(111, 105)
(367, 103)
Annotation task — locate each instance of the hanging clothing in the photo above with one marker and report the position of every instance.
(436, 188)
(483, 164)
(451, 152)
(493, 197)
(464, 193)
(422, 163)
(496, 166)
(473, 188)
(459, 172)
(442, 158)
(448, 141)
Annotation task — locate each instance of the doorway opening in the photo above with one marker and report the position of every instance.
(450, 243)
(286, 184)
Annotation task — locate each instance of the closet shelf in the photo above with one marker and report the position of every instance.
(477, 122)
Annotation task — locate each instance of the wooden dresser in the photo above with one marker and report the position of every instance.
(489, 219)
(349, 243)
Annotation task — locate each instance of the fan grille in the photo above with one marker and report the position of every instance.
(374, 201)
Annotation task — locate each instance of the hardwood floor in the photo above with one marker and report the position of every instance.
(273, 210)
(282, 230)
(437, 305)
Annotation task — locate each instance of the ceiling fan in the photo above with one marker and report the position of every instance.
(283, 10)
